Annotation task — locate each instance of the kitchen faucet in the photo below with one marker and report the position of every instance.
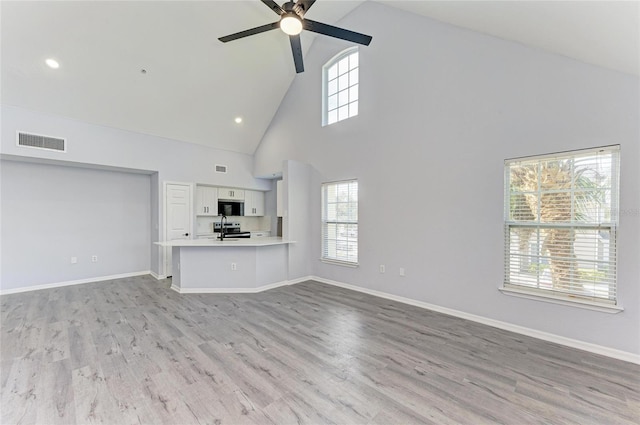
(223, 218)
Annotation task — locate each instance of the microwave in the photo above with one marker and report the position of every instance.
(231, 208)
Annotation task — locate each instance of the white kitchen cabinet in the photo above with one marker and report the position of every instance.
(231, 194)
(279, 206)
(253, 203)
(206, 200)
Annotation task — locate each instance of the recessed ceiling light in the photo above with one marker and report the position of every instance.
(52, 63)
(238, 120)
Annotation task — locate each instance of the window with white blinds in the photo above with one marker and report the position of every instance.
(561, 217)
(340, 222)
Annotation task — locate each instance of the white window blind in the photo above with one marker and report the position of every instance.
(340, 221)
(561, 217)
(340, 87)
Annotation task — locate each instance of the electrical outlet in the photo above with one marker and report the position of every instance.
(402, 271)
(74, 260)
(234, 266)
(94, 258)
(381, 268)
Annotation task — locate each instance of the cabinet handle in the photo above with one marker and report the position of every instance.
(186, 234)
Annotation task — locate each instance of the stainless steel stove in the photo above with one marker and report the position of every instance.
(231, 230)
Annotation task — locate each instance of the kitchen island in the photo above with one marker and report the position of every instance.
(232, 265)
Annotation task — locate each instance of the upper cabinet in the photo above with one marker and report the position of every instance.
(231, 194)
(253, 203)
(206, 200)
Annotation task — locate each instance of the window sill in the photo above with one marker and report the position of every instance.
(572, 302)
(339, 263)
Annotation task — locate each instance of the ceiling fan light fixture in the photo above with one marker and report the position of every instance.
(292, 21)
(291, 24)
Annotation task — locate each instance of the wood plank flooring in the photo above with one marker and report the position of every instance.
(132, 351)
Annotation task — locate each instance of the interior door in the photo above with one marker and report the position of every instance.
(178, 217)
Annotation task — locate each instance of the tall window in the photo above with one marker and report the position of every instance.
(340, 222)
(561, 215)
(340, 87)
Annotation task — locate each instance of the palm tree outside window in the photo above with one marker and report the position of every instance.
(561, 217)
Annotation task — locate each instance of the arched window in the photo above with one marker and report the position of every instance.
(340, 87)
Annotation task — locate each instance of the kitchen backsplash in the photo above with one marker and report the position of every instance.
(205, 224)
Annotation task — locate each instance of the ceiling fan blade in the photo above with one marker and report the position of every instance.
(303, 5)
(336, 32)
(252, 31)
(273, 6)
(296, 49)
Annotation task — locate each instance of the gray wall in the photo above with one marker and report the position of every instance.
(52, 213)
(98, 146)
(297, 222)
(154, 225)
(440, 110)
(105, 146)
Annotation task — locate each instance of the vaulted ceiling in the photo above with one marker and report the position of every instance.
(158, 67)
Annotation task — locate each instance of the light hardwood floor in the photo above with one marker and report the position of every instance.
(133, 351)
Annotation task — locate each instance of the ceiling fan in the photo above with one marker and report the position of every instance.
(292, 22)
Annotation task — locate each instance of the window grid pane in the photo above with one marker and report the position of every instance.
(332, 87)
(560, 224)
(332, 72)
(342, 89)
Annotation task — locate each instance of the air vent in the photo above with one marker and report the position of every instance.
(42, 142)
(221, 168)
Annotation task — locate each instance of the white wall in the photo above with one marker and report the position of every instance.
(51, 213)
(94, 144)
(98, 146)
(297, 223)
(440, 110)
(154, 228)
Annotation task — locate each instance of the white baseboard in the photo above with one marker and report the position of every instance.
(234, 290)
(302, 279)
(157, 276)
(569, 342)
(71, 282)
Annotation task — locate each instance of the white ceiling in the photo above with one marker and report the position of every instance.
(603, 33)
(195, 86)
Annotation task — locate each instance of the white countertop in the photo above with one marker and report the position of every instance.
(230, 241)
